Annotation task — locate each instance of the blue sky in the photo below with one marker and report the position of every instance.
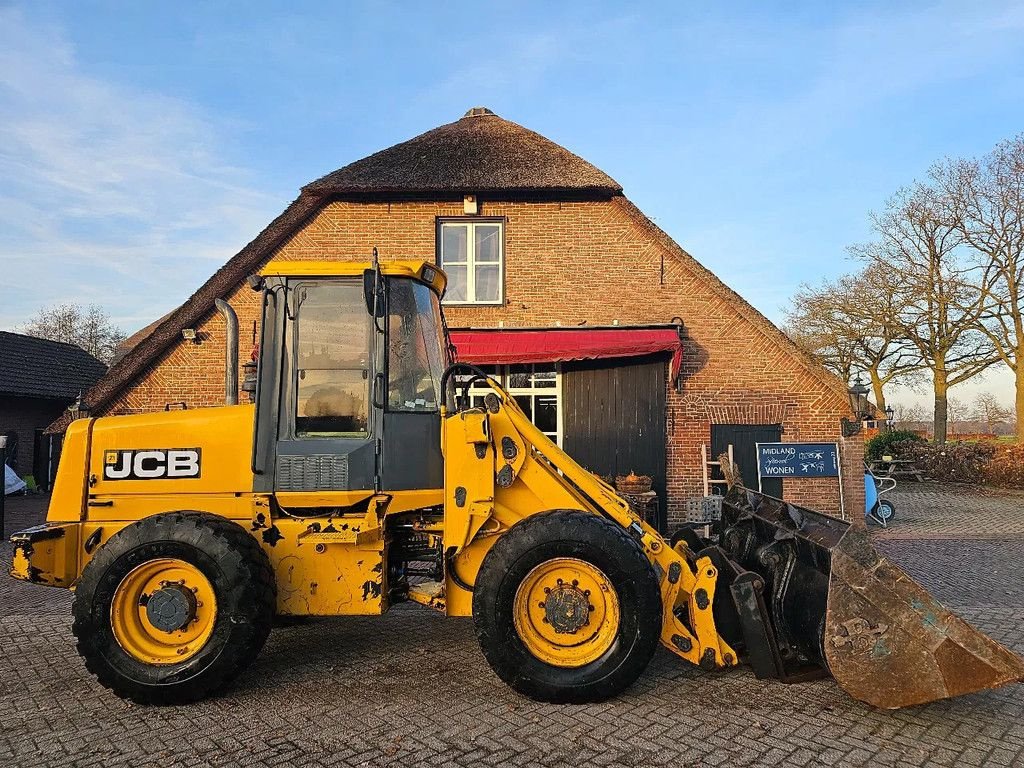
(142, 144)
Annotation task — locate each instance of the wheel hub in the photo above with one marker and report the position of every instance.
(566, 612)
(172, 607)
(567, 609)
(163, 611)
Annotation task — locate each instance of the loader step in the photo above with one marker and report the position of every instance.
(348, 535)
(428, 593)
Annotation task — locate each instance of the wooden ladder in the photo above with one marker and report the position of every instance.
(707, 464)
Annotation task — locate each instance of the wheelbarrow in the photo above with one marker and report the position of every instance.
(876, 509)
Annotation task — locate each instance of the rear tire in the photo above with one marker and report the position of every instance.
(206, 555)
(611, 652)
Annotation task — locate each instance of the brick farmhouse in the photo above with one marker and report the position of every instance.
(642, 358)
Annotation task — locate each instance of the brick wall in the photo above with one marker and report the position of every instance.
(598, 262)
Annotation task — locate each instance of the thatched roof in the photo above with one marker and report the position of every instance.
(481, 153)
(478, 154)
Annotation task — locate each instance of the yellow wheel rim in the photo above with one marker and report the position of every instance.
(566, 612)
(163, 611)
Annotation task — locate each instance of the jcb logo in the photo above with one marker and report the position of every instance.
(151, 464)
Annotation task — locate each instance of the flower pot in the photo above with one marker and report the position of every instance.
(633, 483)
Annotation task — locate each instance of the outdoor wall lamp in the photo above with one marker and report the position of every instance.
(78, 409)
(857, 393)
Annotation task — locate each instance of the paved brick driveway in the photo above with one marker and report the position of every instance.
(950, 511)
(412, 688)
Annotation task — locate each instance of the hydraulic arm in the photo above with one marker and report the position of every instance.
(795, 593)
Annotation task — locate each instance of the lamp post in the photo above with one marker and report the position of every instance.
(889, 417)
(857, 393)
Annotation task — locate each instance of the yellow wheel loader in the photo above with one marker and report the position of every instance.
(363, 476)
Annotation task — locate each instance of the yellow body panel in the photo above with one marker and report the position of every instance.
(223, 436)
(401, 501)
(67, 502)
(318, 575)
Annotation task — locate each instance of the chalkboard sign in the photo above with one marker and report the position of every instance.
(797, 460)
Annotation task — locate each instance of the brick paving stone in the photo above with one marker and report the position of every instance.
(952, 511)
(412, 688)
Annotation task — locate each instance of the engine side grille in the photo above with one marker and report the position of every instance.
(312, 473)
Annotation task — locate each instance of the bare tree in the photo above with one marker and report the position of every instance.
(990, 412)
(89, 327)
(808, 322)
(989, 199)
(957, 414)
(910, 416)
(850, 324)
(919, 248)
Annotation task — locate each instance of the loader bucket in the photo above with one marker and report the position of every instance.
(828, 599)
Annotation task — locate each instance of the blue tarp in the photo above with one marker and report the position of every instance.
(12, 483)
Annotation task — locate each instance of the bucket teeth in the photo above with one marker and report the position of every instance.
(889, 643)
(832, 597)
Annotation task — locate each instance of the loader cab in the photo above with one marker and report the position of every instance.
(348, 400)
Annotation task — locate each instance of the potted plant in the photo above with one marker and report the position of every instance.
(633, 483)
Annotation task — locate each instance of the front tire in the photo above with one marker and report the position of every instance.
(567, 608)
(173, 607)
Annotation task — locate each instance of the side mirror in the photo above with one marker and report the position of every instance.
(373, 282)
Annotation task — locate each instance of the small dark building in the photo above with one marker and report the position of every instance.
(39, 379)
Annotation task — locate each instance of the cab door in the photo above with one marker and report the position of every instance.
(326, 422)
(411, 418)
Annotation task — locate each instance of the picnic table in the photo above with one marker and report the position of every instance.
(896, 468)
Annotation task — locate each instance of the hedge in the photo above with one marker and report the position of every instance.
(1006, 467)
(883, 443)
(982, 461)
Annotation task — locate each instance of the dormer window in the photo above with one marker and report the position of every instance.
(472, 254)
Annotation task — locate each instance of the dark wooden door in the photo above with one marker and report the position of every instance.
(744, 438)
(614, 417)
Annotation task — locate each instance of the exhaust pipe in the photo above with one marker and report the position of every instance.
(231, 352)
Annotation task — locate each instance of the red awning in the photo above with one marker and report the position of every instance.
(556, 345)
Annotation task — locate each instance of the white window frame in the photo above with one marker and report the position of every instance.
(470, 262)
(503, 375)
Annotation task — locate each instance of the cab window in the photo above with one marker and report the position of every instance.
(415, 347)
(333, 360)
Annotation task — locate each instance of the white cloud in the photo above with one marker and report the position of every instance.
(108, 194)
